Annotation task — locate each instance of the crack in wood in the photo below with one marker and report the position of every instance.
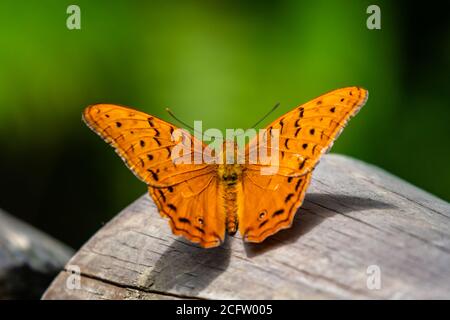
(137, 288)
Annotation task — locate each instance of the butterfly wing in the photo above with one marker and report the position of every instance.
(184, 192)
(270, 204)
(145, 144)
(305, 134)
(193, 209)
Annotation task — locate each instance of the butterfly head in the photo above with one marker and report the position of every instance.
(229, 174)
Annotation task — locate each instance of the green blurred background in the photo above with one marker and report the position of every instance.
(223, 62)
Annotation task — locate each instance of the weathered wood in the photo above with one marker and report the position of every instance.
(354, 216)
(29, 259)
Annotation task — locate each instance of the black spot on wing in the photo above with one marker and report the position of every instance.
(184, 220)
(288, 197)
(163, 197)
(157, 141)
(302, 110)
(153, 173)
(277, 213)
(200, 229)
(299, 182)
(263, 223)
(302, 164)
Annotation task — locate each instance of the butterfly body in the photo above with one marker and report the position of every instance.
(204, 201)
(230, 177)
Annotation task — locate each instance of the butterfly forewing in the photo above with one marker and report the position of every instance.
(183, 192)
(309, 130)
(305, 133)
(145, 144)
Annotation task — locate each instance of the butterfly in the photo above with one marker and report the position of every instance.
(204, 201)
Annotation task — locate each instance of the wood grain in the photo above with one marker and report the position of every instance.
(355, 215)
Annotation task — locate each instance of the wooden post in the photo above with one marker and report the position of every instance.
(361, 233)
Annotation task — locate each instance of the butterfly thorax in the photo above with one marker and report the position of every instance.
(229, 176)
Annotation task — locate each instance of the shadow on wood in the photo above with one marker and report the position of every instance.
(316, 208)
(183, 265)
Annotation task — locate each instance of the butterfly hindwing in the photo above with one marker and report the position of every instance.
(193, 209)
(270, 204)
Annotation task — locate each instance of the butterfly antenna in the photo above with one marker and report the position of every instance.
(180, 121)
(267, 114)
(184, 123)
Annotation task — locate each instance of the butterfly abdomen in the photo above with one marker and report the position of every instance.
(230, 196)
(230, 181)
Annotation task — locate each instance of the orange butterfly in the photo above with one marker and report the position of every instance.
(203, 201)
